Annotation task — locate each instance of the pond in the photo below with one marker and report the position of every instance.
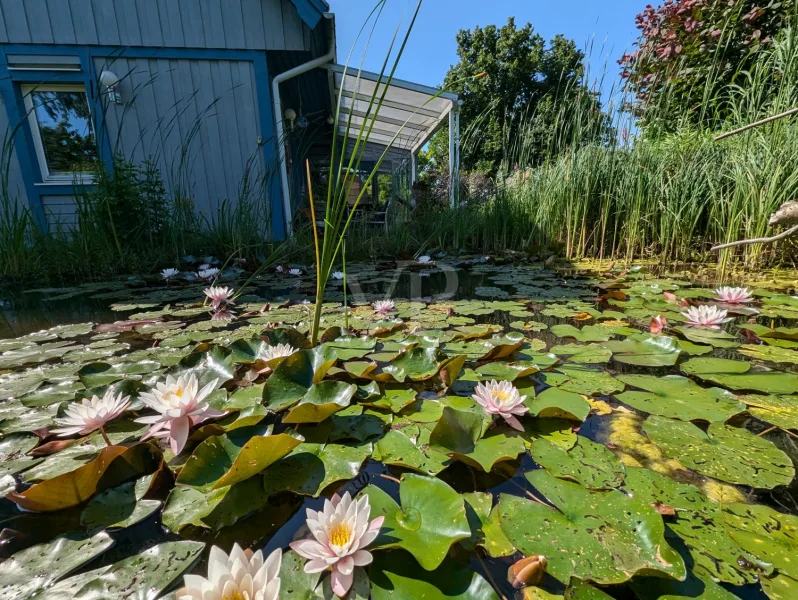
(644, 455)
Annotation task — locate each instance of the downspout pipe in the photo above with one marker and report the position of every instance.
(278, 117)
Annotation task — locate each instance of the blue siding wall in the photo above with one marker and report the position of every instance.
(198, 118)
(16, 185)
(221, 24)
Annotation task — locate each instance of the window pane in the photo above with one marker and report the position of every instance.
(65, 127)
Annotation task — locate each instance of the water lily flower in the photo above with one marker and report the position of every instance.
(92, 415)
(527, 571)
(279, 351)
(167, 274)
(219, 296)
(204, 267)
(337, 275)
(658, 324)
(706, 316)
(341, 531)
(280, 269)
(208, 274)
(243, 575)
(383, 307)
(424, 260)
(502, 399)
(669, 296)
(736, 295)
(180, 405)
(295, 272)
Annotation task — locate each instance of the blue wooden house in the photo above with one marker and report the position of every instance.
(214, 92)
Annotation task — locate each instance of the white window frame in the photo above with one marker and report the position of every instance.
(33, 121)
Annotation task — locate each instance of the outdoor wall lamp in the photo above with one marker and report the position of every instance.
(110, 82)
(290, 116)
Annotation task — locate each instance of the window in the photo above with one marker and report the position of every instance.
(60, 122)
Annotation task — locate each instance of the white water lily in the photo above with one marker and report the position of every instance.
(502, 399)
(279, 351)
(208, 274)
(383, 307)
(204, 267)
(243, 575)
(169, 273)
(734, 295)
(295, 272)
(180, 405)
(424, 260)
(341, 531)
(338, 275)
(711, 317)
(280, 269)
(219, 296)
(92, 414)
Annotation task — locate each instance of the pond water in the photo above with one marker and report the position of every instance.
(650, 465)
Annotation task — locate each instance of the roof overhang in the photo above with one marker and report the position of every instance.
(410, 115)
(311, 11)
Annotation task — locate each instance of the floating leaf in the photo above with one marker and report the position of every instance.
(396, 576)
(679, 398)
(584, 380)
(781, 411)
(486, 530)
(588, 463)
(39, 566)
(770, 353)
(575, 538)
(692, 588)
(727, 453)
(396, 448)
(766, 533)
(590, 354)
(503, 371)
(589, 333)
(711, 337)
(99, 374)
(118, 507)
(645, 350)
(558, 404)
(737, 375)
(321, 401)
(293, 378)
(215, 509)
(430, 519)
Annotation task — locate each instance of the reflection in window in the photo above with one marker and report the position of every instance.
(63, 131)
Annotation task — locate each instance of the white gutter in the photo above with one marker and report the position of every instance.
(278, 117)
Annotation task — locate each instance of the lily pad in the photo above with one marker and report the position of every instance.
(738, 375)
(589, 333)
(430, 519)
(677, 397)
(604, 537)
(321, 401)
(584, 380)
(590, 354)
(293, 378)
(558, 404)
(726, 453)
(588, 463)
(486, 530)
(397, 449)
(645, 350)
(118, 507)
(711, 337)
(781, 411)
(770, 353)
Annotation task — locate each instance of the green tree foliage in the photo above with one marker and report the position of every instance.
(508, 75)
(690, 51)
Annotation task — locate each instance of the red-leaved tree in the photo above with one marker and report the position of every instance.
(690, 50)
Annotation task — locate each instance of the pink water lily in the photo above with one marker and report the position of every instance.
(341, 531)
(711, 317)
(502, 399)
(91, 414)
(180, 405)
(219, 296)
(658, 324)
(383, 307)
(734, 295)
(243, 575)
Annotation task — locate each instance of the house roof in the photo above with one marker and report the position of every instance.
(311, 11)
(410, 114)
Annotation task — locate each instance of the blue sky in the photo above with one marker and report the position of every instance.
(432, 47)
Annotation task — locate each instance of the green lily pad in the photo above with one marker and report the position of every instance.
(294, 377)
(558, 404)
(119, 507)
(692, 588)
(738, 375)
(677, 397)
(604, 537)
(310, 468)
(397, 449)
(503, 371)
(225, 460)
(588, 463)
(98, 374)
(766, 533)
(430, 519)
(590, 354)
(781, 411)
(770, 353)
(780, 587)
(347, 348)
(584, 380)
(38, 567)
(589, 333)
(321, 401)
(458, 434)
(154, 570)
(416, 364)
(48, 395)
(486, 530)
(711, 337)
(726, 453)
(396, 576)
(779, 333)
(395, 398)
(645, 350)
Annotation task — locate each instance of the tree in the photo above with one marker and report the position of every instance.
(504, 75)
(689, 51)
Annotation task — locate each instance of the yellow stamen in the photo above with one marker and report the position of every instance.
(236, 596)
(340, 534)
